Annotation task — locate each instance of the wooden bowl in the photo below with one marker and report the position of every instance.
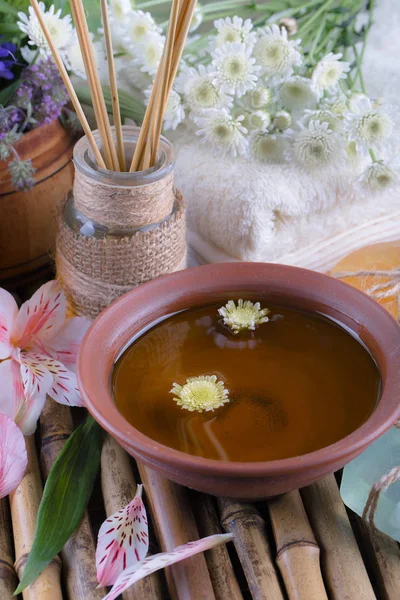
(287, 286)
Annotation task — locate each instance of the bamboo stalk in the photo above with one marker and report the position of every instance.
(119, 487)
(8, 577)
(342, 565)
(252, 545)
(297, 550)
(175, 525)
(113, 85)
(67, 82)
(24, 504)
(78, 554)
(218, 562)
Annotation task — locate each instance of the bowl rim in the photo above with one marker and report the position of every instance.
(98, 398)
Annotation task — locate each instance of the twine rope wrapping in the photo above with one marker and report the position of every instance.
(380, 486)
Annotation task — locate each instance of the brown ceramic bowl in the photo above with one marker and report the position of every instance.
(288, 286)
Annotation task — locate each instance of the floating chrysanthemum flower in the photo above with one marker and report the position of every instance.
(315, 147)
(139, 26)
(224, 132)
(234, 30)
(259, 119)
(296, 94)
(266, 147)
(200, 91)
(276, 54)
(368, 124)
(323, 115)
(282, 120)
(148, 54)
(60, 28)
(328, 72)
(379, 177)
(258, 98)
(245, 315)
(203, 393)
(174, 113)
(234, 68)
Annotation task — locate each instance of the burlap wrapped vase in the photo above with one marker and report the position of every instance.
(117, 230)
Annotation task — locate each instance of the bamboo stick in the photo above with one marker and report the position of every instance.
(297, 550)
(113, 85)
(24, 504)
(67, 82)
(119, 487)
(175, 525)
(8, 577)
(383, 555)
(252, 545)
(78, 554)
(342, 565)
(218, 562)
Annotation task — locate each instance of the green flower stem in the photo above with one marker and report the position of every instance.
(316, 40)
(318, 14)
(229, 4)
(360, 58)
(372, 154)
(150, 3)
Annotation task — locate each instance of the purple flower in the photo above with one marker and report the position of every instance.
(7, 60)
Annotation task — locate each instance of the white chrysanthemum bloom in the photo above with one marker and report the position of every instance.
(74, 61)
(203, 393)
(315, 147)
(225, 133)
(259, 119)
(267, 147)
(200, 91)
(368, 124)
(197, 18)
(60, 28)
(276, 54)
(379, 177)
(323, 115)
(245, 315)
(140, 28)
(129, 74)
(336, 102)
(174, 113)
(28, 54)
(234, 69)
(328, 72)
(258, 98)
(296, 94)
(148, 54)
(233, 30)
(282, 120)
(120, 9)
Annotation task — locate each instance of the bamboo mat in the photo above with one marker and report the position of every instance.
(303, 545)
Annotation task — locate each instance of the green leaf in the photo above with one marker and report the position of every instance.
(6, 94)
(65, 497)
(130, 107)
(5, 7)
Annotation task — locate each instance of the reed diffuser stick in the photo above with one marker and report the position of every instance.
(113, 85)
(67, 82)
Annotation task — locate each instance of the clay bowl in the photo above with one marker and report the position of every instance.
(289, 286)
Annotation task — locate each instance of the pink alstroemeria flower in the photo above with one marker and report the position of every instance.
(13, 456)
(38, 348)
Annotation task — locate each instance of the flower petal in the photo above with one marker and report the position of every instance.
(41, 317)
(123, 540)
(35, 374)
(29, 414)
(159, 561)
(8, 314)
(11, 388)
(65, 345)
(13, 456)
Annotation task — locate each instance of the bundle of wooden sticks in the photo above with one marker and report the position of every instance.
(112, 155)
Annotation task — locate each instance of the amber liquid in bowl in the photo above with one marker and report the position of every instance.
(296, 384)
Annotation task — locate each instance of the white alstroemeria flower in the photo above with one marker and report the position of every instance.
(148, 54)
(368, 124)
(60, 28)
(200, 91)
(267, 147)
(276, 54)
(225, 133)
(315, 147)
(328, 72)
(174, 113)
(234, 69)
(140, 29)
(296, 94)
(379, 177)
(323, 115)
(257, 98)
(197, 18)
(233, 30)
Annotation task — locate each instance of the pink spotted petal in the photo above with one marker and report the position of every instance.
(29, 414)
(159, 561)
(13, 457)
(123, 541)
(65, 345)
(8, 314)
(40, 318)
(11, 388)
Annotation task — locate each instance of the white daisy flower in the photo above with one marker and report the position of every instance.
(174, 113)
(259, 119)
(234, 69)
(197, 18)
(276, 54)
(200, 91)
(233, 30)
(140, 28)
(246, 315)
(257, 98)
(328, 72)
(379, 177)
(282, 120)
(203, 393)
(225, 133)
(369, 125)
(315, 147)
(296, 94)
(148, 54)
(60, 28)
(323, 115)
(267, 147)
